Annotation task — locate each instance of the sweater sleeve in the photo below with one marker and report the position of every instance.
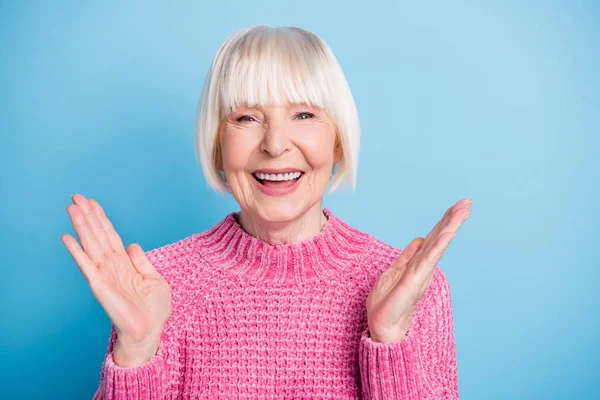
(141, 382)
(423, 364)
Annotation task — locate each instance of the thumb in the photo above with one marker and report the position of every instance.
(140, 262)
(409, 252)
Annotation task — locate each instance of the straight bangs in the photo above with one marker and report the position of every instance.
(273, 67)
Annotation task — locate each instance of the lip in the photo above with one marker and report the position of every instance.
(278, 191)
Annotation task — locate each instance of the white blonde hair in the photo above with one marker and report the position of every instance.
(261, 65)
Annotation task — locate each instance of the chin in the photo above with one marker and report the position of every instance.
(281, 210)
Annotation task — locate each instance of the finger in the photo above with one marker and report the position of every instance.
(141, 263)
(457, 208)
(93, 222)
(84, 233)
(436, 242)
(429, 260)
(436, 255)
(455, 222)
(113, 237)
(85, 265)
(408, 253)
(451, 216)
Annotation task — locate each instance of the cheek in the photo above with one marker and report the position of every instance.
(236, 150)
(318, 150)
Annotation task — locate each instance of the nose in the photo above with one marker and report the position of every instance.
(275, 140)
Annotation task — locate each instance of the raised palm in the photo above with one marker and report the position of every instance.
(136, 298)
(398, 290)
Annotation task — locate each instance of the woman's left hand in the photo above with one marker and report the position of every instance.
(398, 290)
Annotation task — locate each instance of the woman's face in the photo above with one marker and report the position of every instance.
(278, 159)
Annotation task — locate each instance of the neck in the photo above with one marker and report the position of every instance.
(304, 227)
(230, 250)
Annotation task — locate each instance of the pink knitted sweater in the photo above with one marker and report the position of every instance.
(252, 320)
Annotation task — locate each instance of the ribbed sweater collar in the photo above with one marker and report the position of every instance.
(229, 248)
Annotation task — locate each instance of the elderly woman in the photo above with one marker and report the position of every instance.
(283, 299)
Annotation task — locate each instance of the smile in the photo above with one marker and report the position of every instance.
(277, 177)
(278, 184)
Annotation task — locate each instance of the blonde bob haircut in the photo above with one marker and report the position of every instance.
(261, 65)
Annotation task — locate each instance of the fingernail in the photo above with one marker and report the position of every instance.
(467, 216)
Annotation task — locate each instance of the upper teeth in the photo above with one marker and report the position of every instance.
(278, 177)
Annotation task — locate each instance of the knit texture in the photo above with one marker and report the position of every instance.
(253, 320)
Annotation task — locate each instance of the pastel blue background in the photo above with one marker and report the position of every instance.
(496, 101)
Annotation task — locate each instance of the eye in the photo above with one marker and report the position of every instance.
(305, 114)
(244, 118)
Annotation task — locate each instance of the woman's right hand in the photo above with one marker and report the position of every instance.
(136, 298)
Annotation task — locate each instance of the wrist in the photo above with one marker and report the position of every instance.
(133, 356)
(388, 338)
(388, 335)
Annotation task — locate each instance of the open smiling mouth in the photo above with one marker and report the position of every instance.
(278, 180)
